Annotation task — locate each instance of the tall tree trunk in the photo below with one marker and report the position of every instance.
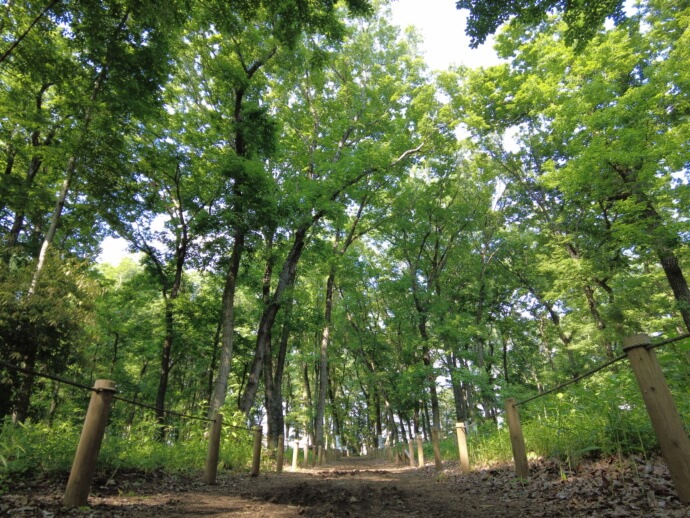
(274, 404)
(505, 358)
(268, 362)
(337, 429)
(377, 409)
(269, 396)
(212, 364)
(54, 222)
(307, 396)
(426, 421)
(23, 398)
(228, 324)
(240, 145)
(676, 279)
(426, 355)
(431, 382)
(403, 433)
(456, 385)
(323, 358)
(286, 279)
(164, 374)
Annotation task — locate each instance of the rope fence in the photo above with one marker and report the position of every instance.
(638, 349)
(663, 414)
(668, 341)
(42, 375)
(103, 393)
(115, 397)
(665, 419)
(601, 367)
(168, 412)
(574, 380)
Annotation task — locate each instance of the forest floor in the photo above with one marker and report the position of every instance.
(361, 487)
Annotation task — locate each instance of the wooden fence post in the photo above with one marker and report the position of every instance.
(84, 464)
(306, 452)
(281, 452)
(437, 449)
(462, 447)
(420, 451)
(213, 450)
(256, 459)
(669, 429)
(517, 441)
(295, 454)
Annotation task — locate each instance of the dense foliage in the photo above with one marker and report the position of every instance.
(329, 238)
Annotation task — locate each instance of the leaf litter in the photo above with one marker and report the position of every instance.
(360, 487)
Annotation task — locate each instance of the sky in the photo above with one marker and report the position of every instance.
(442, 28)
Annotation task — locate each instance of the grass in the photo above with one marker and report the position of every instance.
(603, 416)
(36, 448)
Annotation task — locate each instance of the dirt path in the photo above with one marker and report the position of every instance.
(370, 488)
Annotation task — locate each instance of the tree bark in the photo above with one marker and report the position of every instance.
(212, 365)
(308, 398)
(458, 393)
(274, 403)
(164, 374)
(228, 324)
(287, 277)
(676, 279)
(323, 359)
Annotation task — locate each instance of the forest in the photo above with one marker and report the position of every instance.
(329, 238)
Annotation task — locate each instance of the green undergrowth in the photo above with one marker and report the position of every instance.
(604, 415)
(36, 448)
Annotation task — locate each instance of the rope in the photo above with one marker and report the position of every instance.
(47, 376)
(91, 389)
(669, 341)
(238, 427)
(602, 367)
(186, 416)
(574, 380)
(169, 412)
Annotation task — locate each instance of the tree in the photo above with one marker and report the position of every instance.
(252, 127)
(73, 86)
(583, 18)
(349, 127)
(577, 118)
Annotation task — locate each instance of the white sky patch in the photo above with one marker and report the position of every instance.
(113, 250)
(442, 28)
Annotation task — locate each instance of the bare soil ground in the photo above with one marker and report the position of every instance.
(360, 487)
